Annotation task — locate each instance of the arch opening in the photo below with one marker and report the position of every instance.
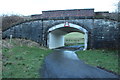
(56, 35)
(74, 39)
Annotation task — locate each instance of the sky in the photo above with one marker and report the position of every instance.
(29, 7)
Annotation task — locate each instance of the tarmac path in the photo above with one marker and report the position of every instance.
(66, 64)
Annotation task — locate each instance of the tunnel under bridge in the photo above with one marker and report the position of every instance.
(56, 34)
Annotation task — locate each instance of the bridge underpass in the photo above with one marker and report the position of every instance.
(57, 32)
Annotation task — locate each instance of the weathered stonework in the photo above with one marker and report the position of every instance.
(101, 33)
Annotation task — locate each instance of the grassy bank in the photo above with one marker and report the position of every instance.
(23, 58)
(104, 59)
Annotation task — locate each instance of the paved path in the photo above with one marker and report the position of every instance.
(66, 64)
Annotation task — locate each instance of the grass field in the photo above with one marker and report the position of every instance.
(21, 60)
(102, 58)
(74, 38)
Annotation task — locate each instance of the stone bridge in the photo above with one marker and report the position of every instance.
(99, 33)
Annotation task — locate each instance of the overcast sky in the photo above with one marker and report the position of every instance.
(28, 7)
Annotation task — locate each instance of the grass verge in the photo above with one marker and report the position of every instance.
(22, 61)
(104, 59)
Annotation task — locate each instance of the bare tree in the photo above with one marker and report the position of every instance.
(119, 7)
(8, 21)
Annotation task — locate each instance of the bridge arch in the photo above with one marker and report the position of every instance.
(55, 37)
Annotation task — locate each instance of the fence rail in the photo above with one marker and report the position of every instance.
(74, 41)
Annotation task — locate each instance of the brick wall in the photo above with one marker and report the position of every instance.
(69, 13)
(102, 13)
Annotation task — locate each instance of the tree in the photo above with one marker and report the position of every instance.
(8, 21)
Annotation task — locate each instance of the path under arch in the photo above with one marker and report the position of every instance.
(57, 32)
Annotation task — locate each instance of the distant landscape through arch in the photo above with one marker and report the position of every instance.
(57, 32)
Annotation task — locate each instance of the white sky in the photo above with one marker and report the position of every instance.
(28, 7)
